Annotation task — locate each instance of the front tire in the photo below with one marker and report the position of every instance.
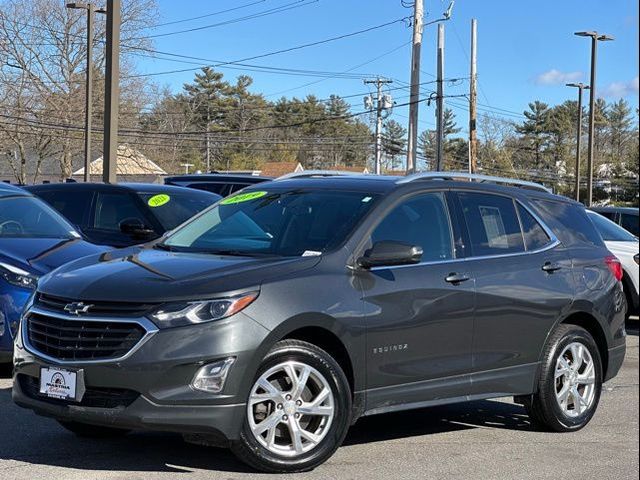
(569, 384)
(298, 410)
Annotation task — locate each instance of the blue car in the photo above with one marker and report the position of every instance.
(34, 239)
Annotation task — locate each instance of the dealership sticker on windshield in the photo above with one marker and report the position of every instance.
(244, 197)
(159, 200)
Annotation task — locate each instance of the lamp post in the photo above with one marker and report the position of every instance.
(91, 11)
(595, 38)
(581, 87)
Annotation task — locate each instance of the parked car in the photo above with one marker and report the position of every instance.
(34, 239)
(125, 214)
(627, 218)
(625, 246)
(219, 183)
(274, 320)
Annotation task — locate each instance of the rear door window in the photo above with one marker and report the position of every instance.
(492, 221)
(114, 208)
(535, 237)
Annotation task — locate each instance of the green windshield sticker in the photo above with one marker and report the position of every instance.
(159, 200)
(244, 197)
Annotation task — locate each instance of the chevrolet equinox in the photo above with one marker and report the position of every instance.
(275, 319)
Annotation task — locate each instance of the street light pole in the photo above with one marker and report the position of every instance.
(88, 125)
(112, 93)
(581, 87)
(595, 38)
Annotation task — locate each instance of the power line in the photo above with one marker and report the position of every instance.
(272, 11)
(214, 14)
(277, 52)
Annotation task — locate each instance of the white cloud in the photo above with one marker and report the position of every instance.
(556, 77)
(620, 89)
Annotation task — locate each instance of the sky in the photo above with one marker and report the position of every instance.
(526, 49)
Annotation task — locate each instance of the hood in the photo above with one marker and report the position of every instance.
(144, 275)
(41, 255)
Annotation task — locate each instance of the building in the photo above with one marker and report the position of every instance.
(133, 166)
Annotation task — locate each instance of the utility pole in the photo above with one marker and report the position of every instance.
(414, 105)
(440, 101)
(112, 93)
(380, 107)
(595, 38)
(209, 134)
(473, 101)
(91, 10)
(581, 87)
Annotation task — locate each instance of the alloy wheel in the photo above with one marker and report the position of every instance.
(575, 378)
(291, 409)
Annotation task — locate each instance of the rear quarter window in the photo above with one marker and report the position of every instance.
(569, 223)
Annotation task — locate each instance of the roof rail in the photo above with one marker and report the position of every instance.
(474, 177)
(317, 174)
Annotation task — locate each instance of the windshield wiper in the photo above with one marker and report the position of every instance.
(164, 246)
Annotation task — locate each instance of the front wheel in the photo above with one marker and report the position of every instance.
(570, 382)
(298, 411)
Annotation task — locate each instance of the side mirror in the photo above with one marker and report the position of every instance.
(390, 254)
(136, 229)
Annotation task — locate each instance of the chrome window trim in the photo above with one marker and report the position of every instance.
(553, 243)
(150, 328)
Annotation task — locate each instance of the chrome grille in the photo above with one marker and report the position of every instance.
(79, 339)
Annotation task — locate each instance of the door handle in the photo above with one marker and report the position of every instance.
(550, 267)
(456, 278)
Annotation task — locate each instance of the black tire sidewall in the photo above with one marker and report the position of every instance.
(565, 422)
(332, 372)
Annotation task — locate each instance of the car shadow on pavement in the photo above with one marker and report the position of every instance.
(434, 420)
(45, 443)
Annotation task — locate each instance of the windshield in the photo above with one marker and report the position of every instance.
(295, 223)
(28, 217)
(610, 232)
(173, 209)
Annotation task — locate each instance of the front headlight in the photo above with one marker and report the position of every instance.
(191, 313)
(18, 277)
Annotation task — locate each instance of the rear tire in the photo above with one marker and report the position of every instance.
(295, 425)
(85, 430)
(569, 382)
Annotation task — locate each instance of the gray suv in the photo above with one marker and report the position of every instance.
(274, 320)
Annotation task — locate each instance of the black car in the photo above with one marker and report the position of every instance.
(271, 322)
(627, 218)
(219, 183)
(125, 214)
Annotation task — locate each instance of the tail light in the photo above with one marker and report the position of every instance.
(615, 266)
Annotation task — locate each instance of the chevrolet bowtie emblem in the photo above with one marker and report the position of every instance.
(77, 308)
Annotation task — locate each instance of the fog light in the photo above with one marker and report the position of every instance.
(211, 378)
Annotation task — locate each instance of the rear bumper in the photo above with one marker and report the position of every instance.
(616, 359)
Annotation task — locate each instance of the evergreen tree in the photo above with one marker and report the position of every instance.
(394, 142)
(535, 130)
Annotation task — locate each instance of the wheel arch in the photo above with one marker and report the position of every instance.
(590, 324)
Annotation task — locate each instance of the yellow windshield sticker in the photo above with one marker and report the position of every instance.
(243, 197)
(159, 200)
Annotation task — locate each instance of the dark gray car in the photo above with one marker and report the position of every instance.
(274, 320)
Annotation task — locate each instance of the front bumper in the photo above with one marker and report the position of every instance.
(159, 373)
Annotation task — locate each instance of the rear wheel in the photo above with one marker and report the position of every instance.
(298, 411)
(570, 382)
(91, 431)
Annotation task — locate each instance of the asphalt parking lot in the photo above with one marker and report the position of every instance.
(481, 440)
